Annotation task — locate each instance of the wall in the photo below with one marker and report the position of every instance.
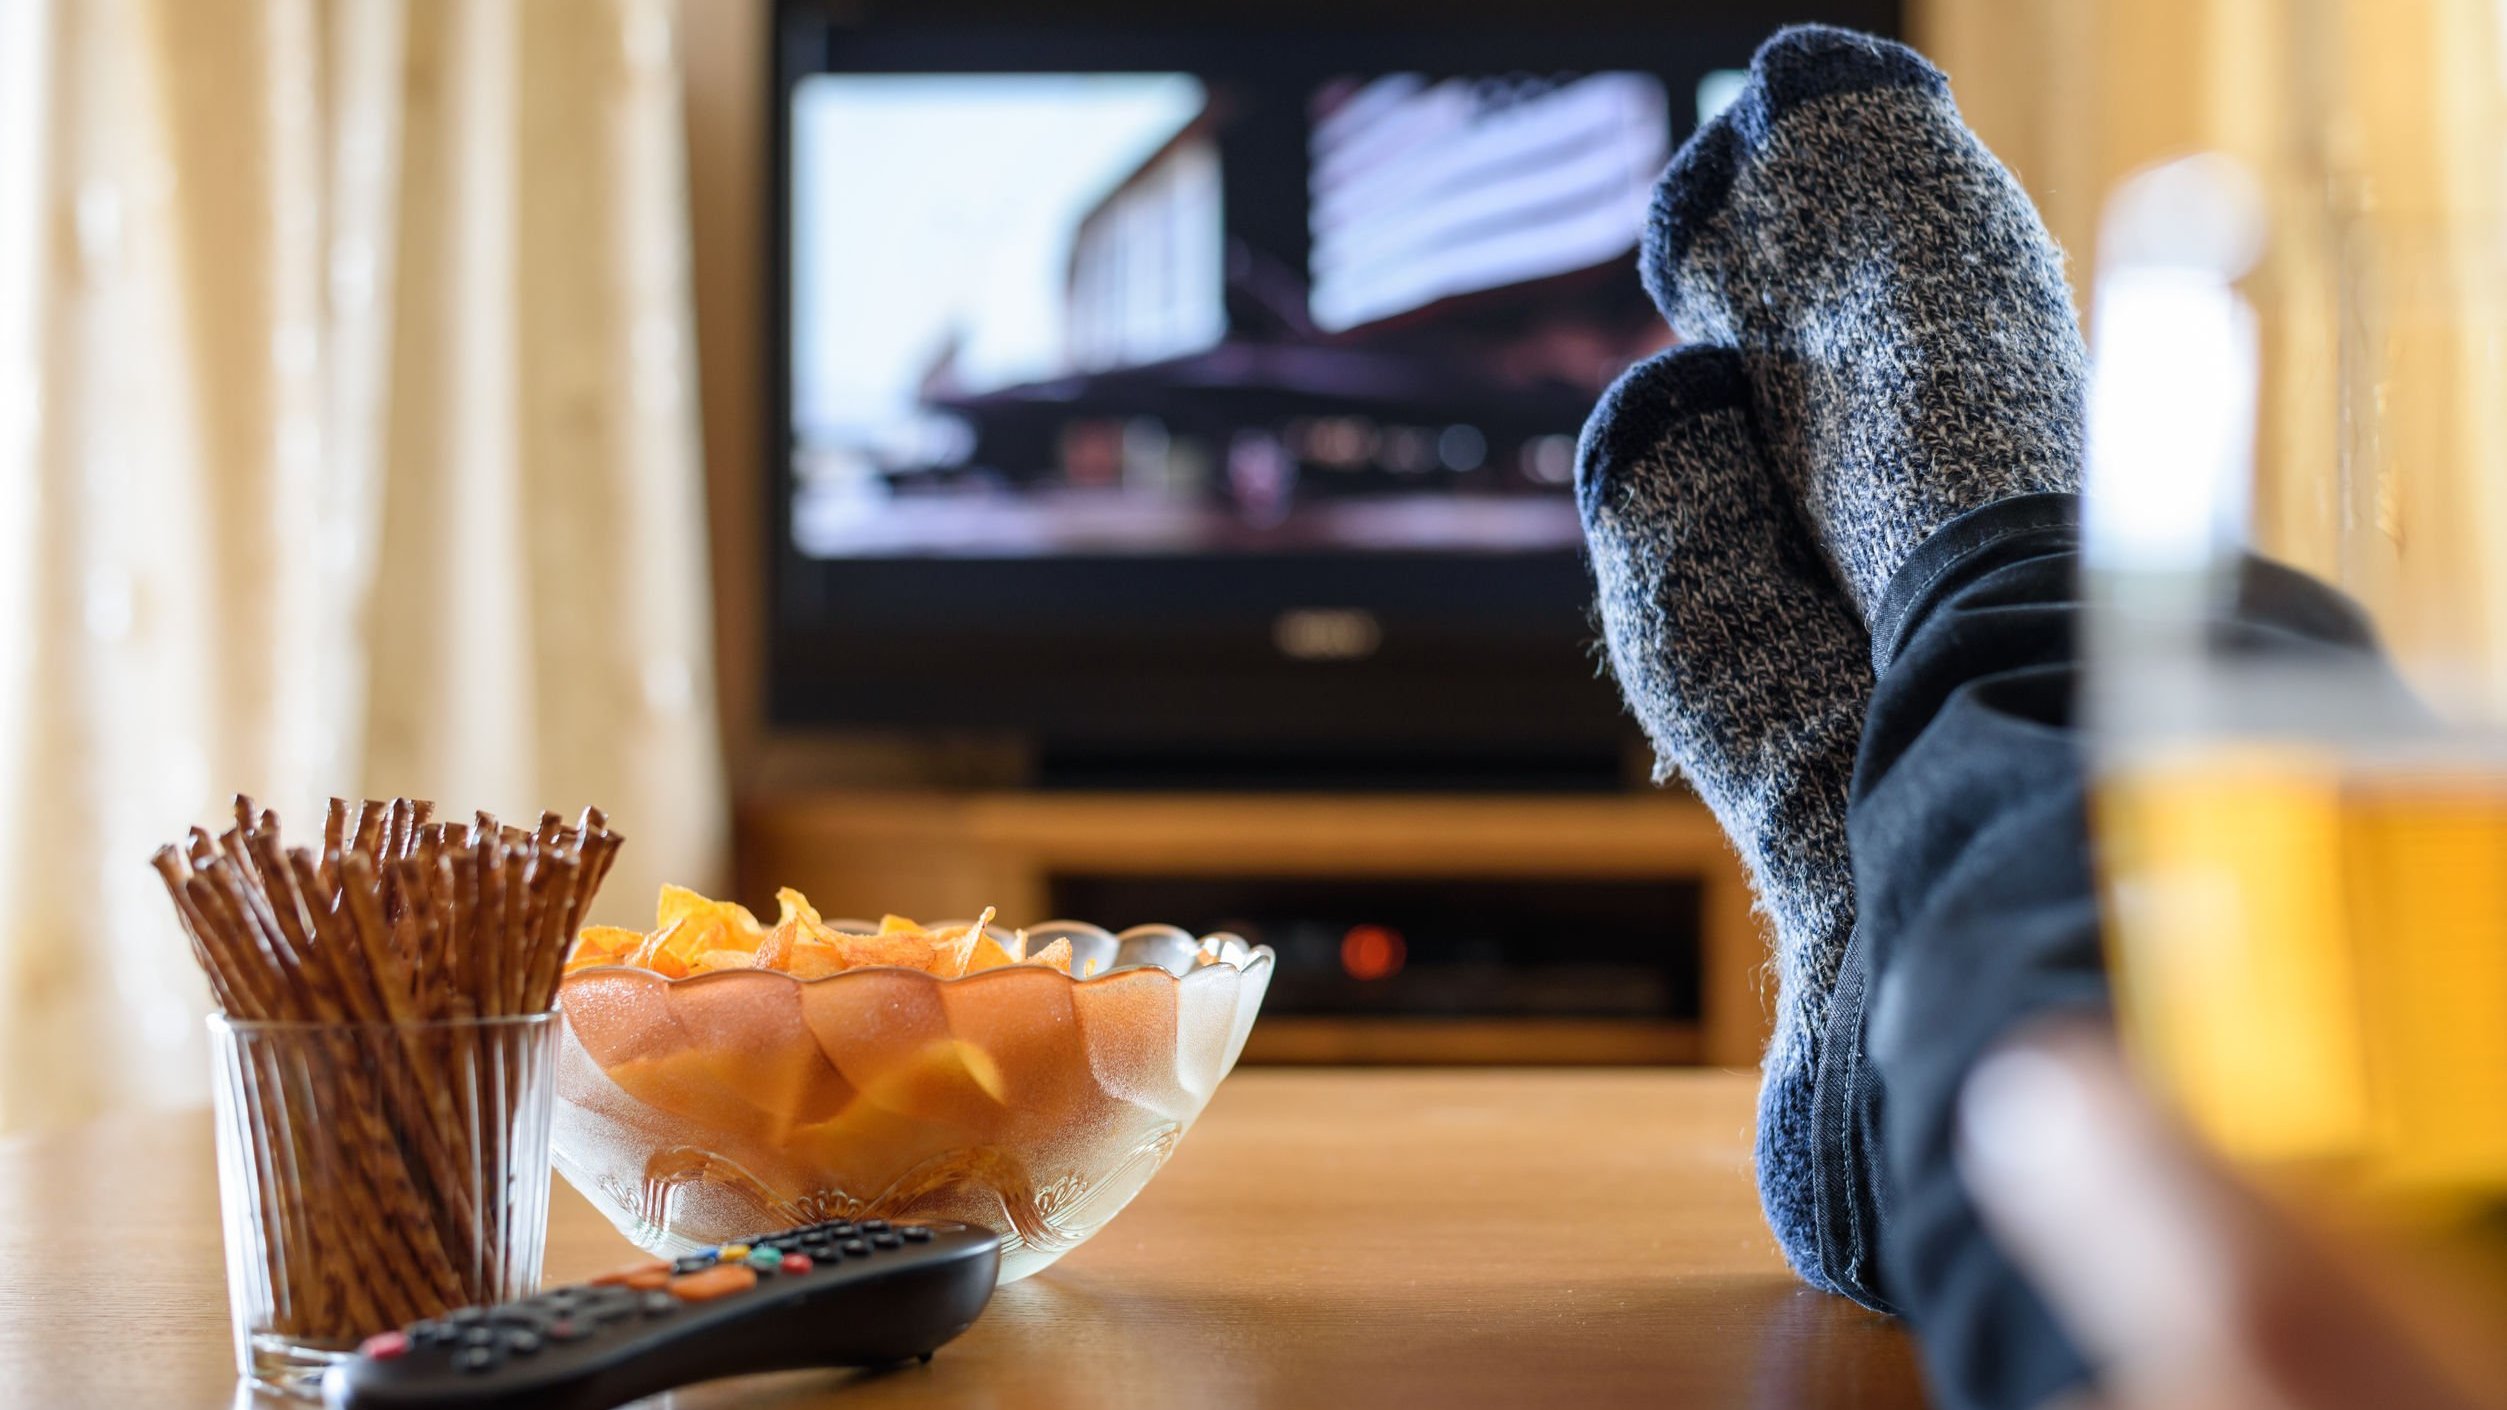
(2376, 127)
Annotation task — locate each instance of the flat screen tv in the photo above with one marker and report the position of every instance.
(1202, 396)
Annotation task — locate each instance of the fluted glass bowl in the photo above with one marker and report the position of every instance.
(697, 1111)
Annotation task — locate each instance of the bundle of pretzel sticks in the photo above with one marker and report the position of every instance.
(387, 1142)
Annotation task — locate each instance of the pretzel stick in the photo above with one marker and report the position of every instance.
(487, 956)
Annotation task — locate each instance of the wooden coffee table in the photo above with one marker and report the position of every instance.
(1322, 1238)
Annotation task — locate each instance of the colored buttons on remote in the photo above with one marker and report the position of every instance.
(796, 1263)
(385, 1346)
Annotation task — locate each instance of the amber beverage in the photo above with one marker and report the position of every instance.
(2311, 957)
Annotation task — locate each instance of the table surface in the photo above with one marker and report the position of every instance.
(1324, 1238)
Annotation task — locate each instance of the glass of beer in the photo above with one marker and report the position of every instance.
(2304, 851)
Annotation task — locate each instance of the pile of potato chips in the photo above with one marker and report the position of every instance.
(693, 935)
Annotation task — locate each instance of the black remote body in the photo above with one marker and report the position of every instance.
(823, 1295)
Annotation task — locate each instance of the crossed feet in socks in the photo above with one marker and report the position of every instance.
(1876, 338)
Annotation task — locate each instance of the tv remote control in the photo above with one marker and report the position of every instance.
(834, 1294)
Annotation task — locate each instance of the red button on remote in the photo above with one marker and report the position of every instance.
(386, 1346)
(796, 1263)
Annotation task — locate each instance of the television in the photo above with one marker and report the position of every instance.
(1197, 400)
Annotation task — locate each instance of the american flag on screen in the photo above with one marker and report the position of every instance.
(1424, 189)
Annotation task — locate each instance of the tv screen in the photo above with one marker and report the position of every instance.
(1209, 388)
(1027, 320)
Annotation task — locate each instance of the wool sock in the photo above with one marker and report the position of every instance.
(1750, 674)
(1909, 335)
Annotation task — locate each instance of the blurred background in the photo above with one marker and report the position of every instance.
(1087, 463)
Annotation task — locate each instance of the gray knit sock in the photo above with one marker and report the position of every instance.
(1903, 312)
(1747, 669)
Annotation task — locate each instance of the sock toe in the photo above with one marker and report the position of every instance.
(1693, 190)
(1641, 407)
(1807, 62)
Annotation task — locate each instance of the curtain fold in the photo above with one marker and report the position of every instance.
(348, 445)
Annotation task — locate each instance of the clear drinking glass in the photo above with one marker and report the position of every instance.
(374, 1174)
(2304, 852)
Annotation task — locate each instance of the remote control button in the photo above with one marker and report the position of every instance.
(796, 1263)
(841, 1229)
(522, 1343)
(478, 1336)
(916, 1233)
(765, 1259)
(874, 1226)
(887, 1238)
(693, 1263)
(714, 1282)
(630, 1274)
(466, 1316)
(430, 1332)
(386, 1346)
(566, 1329)
(855, 1248)
(476, 1359)
(659, 1304)
(733, 1252)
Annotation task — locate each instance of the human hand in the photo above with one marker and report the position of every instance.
(2185, 1287)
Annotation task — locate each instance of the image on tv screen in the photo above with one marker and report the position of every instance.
(1121, 314)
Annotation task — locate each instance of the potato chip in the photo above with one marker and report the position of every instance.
(950, 957)
(1057, 954)
(712, 960)
(896, 924)
(671, 949)
(988, 954)
(796, 924)
(904, 951)
(813, 959)
(678, 903)
(718, 924)
(602, 944)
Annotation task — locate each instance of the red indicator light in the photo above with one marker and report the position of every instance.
(1372, 952)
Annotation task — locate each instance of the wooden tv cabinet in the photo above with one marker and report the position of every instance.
(951, 853)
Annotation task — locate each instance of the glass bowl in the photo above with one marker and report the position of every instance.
(701, 1110)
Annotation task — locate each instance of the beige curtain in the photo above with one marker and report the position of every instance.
(347, 444)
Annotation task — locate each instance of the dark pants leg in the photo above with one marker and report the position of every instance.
(1976, 910)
